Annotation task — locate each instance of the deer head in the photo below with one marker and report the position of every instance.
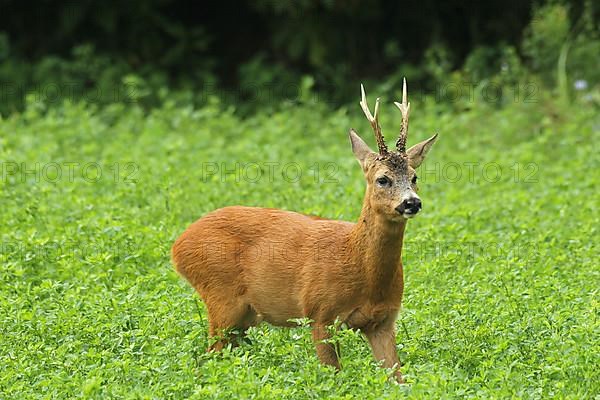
(391, 177)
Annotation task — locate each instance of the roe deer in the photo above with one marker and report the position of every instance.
(257, 264)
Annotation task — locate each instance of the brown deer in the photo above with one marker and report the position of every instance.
(257, 264)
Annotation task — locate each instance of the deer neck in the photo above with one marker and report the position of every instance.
(377, 245)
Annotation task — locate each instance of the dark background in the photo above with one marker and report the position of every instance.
(324, 45)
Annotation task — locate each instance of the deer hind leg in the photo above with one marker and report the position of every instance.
(325, 351)
(383, 343)
(228, 323)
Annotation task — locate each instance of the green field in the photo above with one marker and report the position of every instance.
(501, 267)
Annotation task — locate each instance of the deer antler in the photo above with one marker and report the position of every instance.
(373, 120)
(405, 110)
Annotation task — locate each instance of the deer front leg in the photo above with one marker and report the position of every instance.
(325, 351)
(383, 342)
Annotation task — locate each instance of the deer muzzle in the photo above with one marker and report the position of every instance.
(409, 207)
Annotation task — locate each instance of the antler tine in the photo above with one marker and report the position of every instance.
(405, 110)
(373, 120)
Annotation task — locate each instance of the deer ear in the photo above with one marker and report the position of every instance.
(417, 153)
(360, 148)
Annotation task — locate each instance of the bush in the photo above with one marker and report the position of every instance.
(561, 52)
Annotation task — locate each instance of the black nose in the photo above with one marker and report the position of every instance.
(412, 206)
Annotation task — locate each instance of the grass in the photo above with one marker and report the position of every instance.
(501, 268)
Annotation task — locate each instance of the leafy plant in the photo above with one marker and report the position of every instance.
(501, 297)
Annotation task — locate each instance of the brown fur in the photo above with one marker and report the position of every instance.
(257, 264)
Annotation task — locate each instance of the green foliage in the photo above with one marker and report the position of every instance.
(562, 52)
(108, 150)
(585, 50)
(545, 37)
(438, 62)
(259, 55)
(501, 269)
(85, 75)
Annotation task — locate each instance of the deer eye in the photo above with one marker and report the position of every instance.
(384, 181)
(414, 180)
